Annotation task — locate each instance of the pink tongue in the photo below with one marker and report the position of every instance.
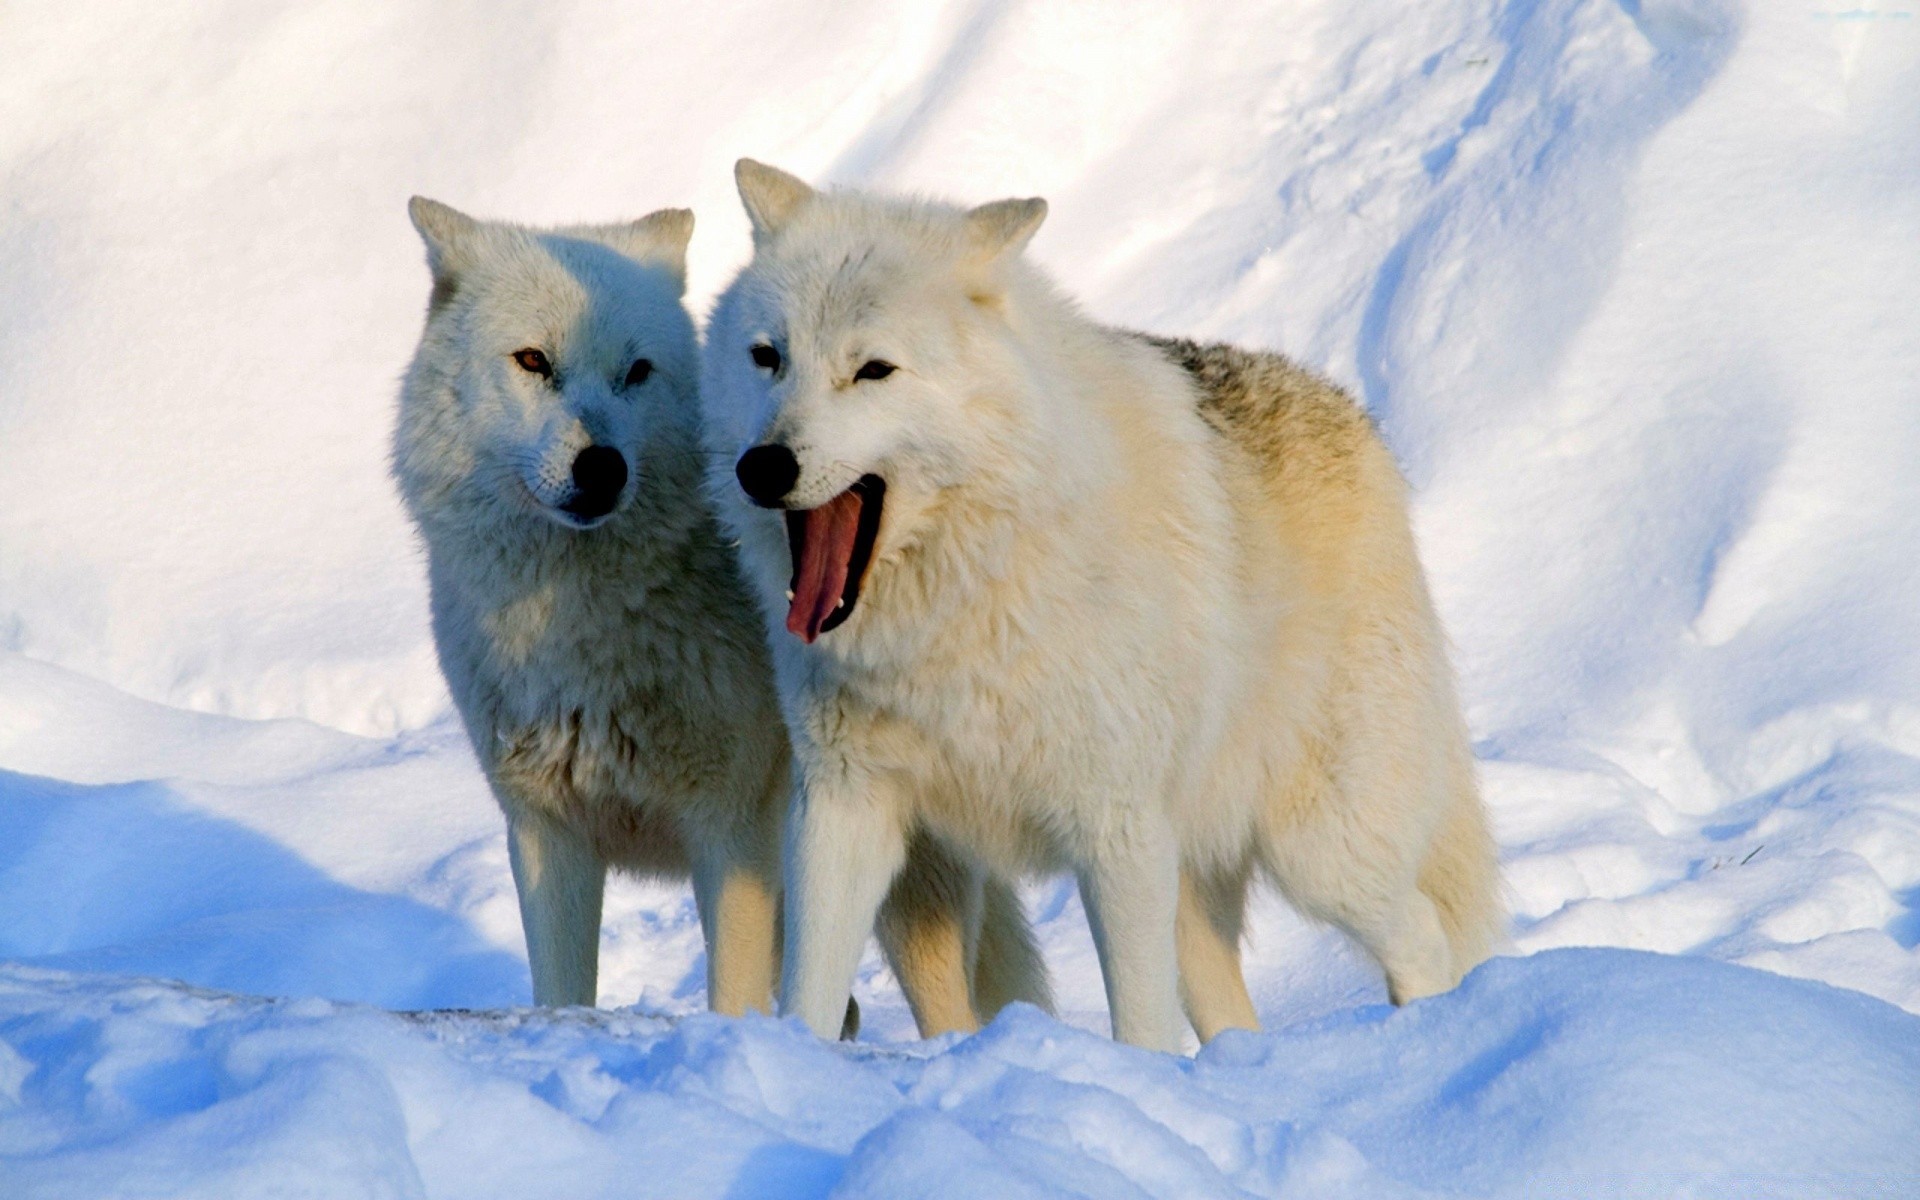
(820, 577)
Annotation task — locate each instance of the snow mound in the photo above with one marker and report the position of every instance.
(1567, 1074)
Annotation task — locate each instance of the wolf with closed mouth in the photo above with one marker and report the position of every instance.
(1065, 597)
(594, 629)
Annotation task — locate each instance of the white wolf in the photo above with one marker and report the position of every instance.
(1069, 597)
(593, 627)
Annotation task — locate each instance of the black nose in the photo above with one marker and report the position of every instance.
(767, 473)
(598, 475)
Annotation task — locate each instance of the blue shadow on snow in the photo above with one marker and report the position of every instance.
(124, 879)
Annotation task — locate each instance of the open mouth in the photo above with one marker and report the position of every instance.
(831, 545)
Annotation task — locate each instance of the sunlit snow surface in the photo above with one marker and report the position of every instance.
(1573, 1073)
(1630, 287)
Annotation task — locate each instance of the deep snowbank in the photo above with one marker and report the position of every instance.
(1567, 1074)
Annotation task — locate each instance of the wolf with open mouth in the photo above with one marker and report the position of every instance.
(1063, 597)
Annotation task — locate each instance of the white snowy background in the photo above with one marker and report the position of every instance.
(1632, 286)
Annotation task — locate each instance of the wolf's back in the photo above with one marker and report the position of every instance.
(1296, 425)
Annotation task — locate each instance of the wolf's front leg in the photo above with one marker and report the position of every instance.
(739, 911)
(560, 881)
(846, 841)
(1131, 891)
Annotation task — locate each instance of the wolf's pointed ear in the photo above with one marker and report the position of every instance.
(1005, 226)
(658, 239)
(449, 234)
(771, 196)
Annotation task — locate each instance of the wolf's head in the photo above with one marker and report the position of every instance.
(854, 371)
(550, 359)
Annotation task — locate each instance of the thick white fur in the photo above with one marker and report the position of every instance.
(1159, 627)
(613, 676)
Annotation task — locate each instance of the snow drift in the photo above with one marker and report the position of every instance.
(1573, 1073)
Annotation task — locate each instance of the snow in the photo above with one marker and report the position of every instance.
(1543, 1076)
(1629, 286)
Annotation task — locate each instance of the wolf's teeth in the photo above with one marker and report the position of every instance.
(838, 605)
(789, 594)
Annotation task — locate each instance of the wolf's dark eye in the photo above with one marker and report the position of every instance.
(765, 357)
(873, 368)
(638, 372)
(534, 362)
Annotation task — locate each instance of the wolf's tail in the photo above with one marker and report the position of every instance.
(1006, 963)
(1461, 875)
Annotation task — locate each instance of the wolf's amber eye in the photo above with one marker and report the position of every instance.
(533, 361)
(638, 372)
(765, 357)
(873, 368)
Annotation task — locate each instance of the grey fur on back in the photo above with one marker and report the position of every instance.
(1266, 402)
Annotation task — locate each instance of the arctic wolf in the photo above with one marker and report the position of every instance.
(593, 626)
(1068, 597)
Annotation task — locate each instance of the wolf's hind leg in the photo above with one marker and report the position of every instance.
(1211, 918)
(1461, 875)
(1407, 938)
(925, 930)
(1007, 965)
(1362, 886)
(739, 914)
(561, 882)
(1401, 930)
